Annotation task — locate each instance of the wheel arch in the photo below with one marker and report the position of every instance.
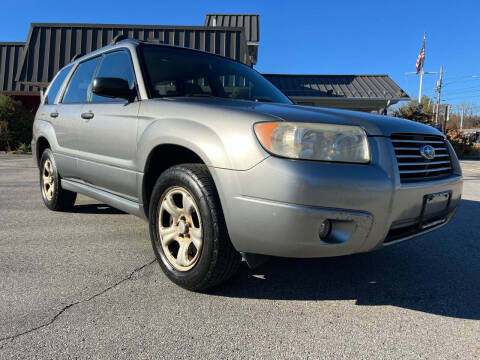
(160, 158)
(41, 145)
(44, 137)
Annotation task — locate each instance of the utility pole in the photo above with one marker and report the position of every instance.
(461, 118)
(446, 118)
(439, 90)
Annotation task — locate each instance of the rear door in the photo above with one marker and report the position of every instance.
(107, 138)
(68, 116)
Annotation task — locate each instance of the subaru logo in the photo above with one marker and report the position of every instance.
(428, 152)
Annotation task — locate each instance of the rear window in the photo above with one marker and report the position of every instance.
(56, 85)
(80, 83)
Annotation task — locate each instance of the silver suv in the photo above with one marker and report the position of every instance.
(224, 166)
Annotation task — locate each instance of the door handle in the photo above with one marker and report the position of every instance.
(87, 115)
(54, 114)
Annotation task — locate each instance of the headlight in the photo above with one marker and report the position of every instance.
(311, 141)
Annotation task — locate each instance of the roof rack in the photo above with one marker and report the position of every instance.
(76, 56)
(117, 39)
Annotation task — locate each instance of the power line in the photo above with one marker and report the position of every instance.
(462, 91)
(461, 97)
(458, 78)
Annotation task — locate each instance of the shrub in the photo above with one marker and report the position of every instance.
(15, 124)
(422, 112)
(460, 142)
(24, 149)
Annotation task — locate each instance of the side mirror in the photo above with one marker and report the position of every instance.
(113, 88)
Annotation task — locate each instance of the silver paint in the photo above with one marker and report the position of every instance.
(272, 206)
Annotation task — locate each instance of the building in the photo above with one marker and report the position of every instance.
(353, 92)
(25, 68)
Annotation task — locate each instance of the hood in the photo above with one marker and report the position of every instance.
(374, 125)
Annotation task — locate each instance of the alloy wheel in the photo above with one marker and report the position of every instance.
(48, 179)
(179, 228)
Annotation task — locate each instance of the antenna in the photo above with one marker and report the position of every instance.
(76, 56)
(118, 38)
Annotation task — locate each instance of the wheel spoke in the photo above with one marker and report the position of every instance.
(48, 166)
(50, 192)
(182, 255)
(171, 208)
(168, 235)
(188, 205)
(196, 237)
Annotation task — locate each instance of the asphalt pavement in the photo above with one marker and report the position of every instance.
(84, 284)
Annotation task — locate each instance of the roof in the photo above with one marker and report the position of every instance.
(10, 54)
(50, 46)
(250, 22)
(339, 86)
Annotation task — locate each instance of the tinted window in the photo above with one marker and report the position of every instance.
(179, 72)
(116, 65)
(80, 83)
(56, 85)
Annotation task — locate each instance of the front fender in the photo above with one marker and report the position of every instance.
(236, 150)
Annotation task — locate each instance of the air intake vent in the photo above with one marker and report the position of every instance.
(415, 166)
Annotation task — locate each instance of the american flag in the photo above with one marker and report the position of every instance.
(421, 56)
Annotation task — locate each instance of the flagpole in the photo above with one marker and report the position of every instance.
(421, 70)
(420, 88)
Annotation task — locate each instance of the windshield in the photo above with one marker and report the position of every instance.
(173, 72)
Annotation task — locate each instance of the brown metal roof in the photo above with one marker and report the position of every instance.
(250, 22)
(50, 46)
(342, 86)
(10, 54)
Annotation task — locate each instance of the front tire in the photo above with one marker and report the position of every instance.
(54, 197)
(188, 231)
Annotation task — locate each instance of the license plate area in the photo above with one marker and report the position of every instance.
(435, 207)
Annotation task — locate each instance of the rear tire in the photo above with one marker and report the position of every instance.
(54, 197)
(188, 231)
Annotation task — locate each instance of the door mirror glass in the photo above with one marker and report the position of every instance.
(113, 88)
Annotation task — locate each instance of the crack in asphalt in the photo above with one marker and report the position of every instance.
(65, 308)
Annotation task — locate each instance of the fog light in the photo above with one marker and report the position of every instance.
(324, 229)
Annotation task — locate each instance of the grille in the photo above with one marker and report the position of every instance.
(413, 229)
(412, 165)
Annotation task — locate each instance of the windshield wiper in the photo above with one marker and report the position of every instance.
(200, 95)
(262, 99)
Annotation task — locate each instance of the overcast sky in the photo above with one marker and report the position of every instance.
(317, 37)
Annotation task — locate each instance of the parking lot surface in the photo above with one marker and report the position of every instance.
(84, 284)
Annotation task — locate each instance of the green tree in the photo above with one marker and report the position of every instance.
(15, 124)
(412, 111)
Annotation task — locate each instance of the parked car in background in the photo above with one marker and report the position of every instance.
(223, 165)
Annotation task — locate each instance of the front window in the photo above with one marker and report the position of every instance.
(181, 73)
(115, 65)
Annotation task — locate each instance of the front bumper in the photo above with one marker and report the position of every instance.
(277, 207)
